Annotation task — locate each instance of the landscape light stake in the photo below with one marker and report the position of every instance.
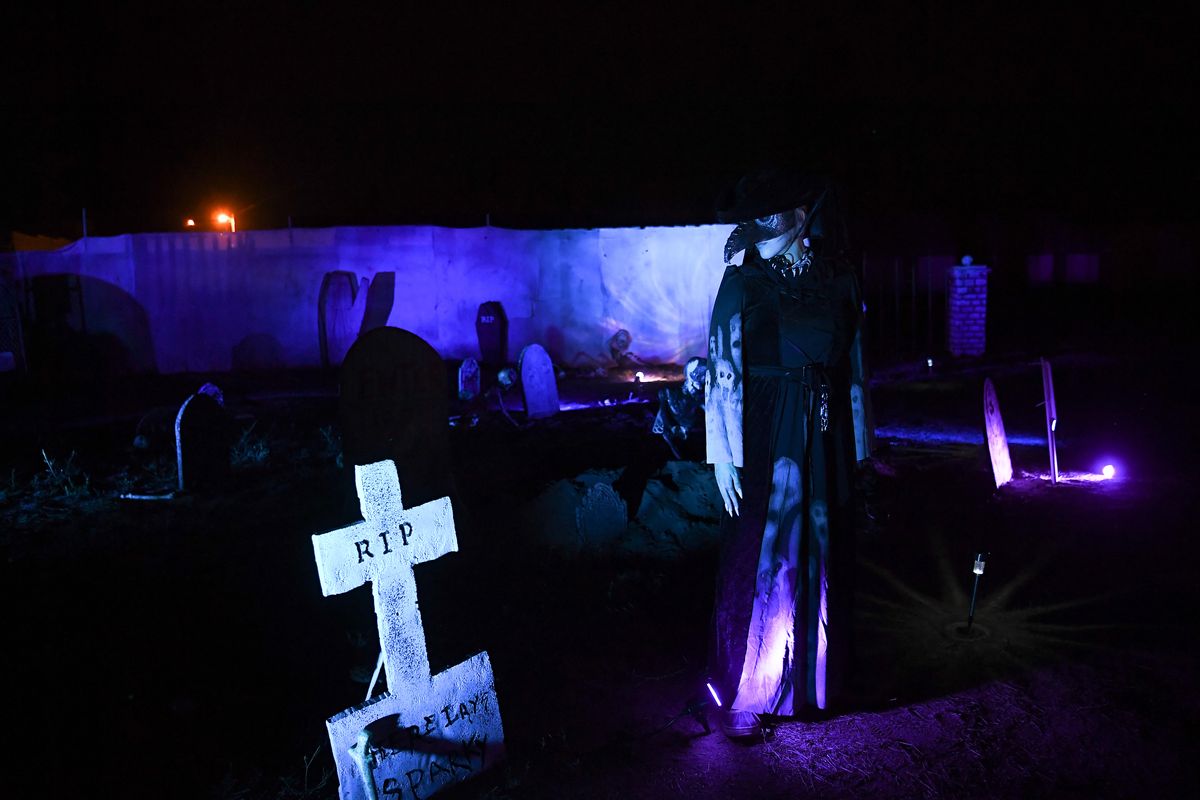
(978, 570)
(695, 709)
(1051, 417)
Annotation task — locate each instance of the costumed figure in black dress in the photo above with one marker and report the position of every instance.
(780, 435)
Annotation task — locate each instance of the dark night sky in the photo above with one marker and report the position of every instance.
(586, 114)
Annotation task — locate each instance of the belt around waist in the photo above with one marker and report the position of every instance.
(806, 374)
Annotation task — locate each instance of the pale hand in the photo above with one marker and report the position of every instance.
(729, 484)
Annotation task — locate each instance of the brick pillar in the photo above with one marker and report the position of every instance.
(966, 312)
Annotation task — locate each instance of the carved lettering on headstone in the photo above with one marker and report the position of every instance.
(427, 731)
(997, 441)
(538, 382)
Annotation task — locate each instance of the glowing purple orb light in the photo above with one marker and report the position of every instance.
(1109, 471)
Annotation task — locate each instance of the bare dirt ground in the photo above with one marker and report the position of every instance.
(183, 648)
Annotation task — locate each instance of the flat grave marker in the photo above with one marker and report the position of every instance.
(997, 440)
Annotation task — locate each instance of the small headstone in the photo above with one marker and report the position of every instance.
(203, 438)
(393, 406)
(427, 732)
(491, 327)
(996, 439)
(468, 379)
(538, 383)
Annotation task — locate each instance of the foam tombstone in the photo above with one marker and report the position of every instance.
(539, 386)
(427, 732)
(203, 438)
(393, 406)
(997, 440)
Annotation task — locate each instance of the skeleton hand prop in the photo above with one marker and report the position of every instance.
(729, 484)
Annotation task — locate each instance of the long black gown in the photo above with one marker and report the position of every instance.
(777, 404)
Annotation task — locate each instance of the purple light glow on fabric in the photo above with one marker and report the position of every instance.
(259, 301)
(822, 638)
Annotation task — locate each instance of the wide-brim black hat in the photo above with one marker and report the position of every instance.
(768, 191)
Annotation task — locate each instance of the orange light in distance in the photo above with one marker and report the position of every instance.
(223, 217)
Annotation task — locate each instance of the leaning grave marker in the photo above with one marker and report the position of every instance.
(997, 441)
(428, 731)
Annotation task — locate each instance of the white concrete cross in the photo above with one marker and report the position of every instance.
(427, 731)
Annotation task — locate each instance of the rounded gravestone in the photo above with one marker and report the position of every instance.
(393, 405)
(539, 385)
(203, 438)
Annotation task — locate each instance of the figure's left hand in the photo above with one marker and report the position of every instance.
(729, 484)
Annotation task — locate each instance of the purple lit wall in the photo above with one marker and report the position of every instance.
(966, 313)
(199, 302)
